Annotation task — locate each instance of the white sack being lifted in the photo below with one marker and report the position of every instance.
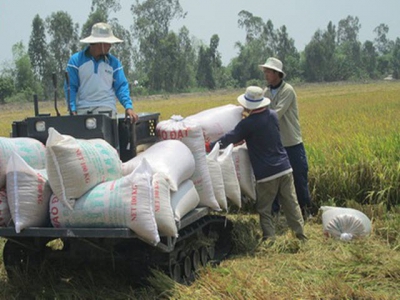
(31, 150)
(244, 171)
(172, 158)
(74, 166)
(216, 177)
(217, 121)
(125, 202)
(231, 182)
(5, 215)
(28, 194)
(184, 200)
(345, 223)
(177, 128)
(165, 217)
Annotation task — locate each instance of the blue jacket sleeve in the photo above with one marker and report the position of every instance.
(72, 70)
(121, 87)
(235, 136)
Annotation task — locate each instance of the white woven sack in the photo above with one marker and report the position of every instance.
(172, 158)
(125, 202)
(231, 182)
(184, 200)
(216, 177)
(345, 223)
(177, 128)
(165, 218)
(74, 166)
(217, 121)
(28, 194)
(5, 215)
(244, 171)
(31, 150)
(143, 147)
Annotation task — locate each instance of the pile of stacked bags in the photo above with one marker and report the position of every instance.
(77, 183)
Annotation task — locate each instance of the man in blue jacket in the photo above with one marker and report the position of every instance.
(270, 162)
(96, 77)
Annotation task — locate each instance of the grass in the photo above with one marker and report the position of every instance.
(351, 134)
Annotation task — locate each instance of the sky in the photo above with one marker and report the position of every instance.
(302, 19)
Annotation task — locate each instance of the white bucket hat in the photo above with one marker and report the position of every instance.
(253, 98)
(274, 64)
(101, 33)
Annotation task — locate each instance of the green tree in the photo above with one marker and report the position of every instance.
(396, 59)
(169, 51)
(251, 24)
(244, 67)
(349, 48)
(186, 64)
(314, 59)
(63, 39)
(106, 6)
(381, 42)
(209, 64)
(260, 43)
(151, 22)
(155, 16)
(348, 30)
(286, 51)
(385, 49)
(329, 43)
(6, 88)
(24, 78)
(204, 76)
(383, 65)
(369, 58)
(37, 48)
(319, 61)
(256, 29)
(123, 50)
(269, 39)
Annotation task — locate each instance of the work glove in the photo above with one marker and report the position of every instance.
(208, 147)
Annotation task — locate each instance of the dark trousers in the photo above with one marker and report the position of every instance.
(298, 160)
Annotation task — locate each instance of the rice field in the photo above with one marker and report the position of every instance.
(352, 137)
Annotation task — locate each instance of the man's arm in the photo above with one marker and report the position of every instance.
(122, 92)
(121, 87)
(235, 136)
(73, 86)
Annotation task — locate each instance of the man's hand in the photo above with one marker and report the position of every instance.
(129, 113)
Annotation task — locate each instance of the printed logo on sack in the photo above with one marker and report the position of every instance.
(109, 72)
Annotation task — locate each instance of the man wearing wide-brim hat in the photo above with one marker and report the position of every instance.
(269, 160)
(284, 102)
(96, 77)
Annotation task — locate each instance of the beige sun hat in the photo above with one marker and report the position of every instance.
(253, 98)
(101, 33)
(274, 64)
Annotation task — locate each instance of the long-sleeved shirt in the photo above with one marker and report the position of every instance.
(96, 82)
(284, 102)
(261, 133)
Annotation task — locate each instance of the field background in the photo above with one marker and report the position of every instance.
(352, 137)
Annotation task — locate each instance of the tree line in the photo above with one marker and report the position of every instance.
(164, 61)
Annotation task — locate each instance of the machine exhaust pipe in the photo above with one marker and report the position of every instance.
(55, 93)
